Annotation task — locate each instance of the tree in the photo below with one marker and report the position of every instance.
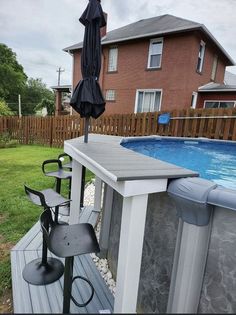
(48, 104)
(34, 93)
(4, 109)
(13, 81)
(12, 76)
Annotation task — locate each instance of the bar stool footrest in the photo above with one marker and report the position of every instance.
(92, 292)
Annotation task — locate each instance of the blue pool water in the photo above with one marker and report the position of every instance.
(212, 160)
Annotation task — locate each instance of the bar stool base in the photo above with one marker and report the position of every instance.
(41, 274)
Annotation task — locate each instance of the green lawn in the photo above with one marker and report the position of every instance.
(17, 214)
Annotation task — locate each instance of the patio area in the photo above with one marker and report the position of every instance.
(48, 299)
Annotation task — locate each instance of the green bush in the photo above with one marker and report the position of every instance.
(6, 141)
(4, 109)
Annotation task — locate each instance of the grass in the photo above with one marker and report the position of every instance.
(19, 166)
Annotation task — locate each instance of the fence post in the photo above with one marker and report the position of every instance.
(51, 131)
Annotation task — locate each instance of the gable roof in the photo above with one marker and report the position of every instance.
(156, 26)
(216, 87)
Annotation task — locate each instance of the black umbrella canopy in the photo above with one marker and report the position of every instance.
(87, 98)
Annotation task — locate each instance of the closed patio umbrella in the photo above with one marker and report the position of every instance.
(87, 98)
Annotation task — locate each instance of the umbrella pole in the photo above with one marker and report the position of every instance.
(86, 128)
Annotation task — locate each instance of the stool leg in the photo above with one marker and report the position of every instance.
(58, 190)
(69, 194)
(82, 186)
(68, 276)
(56, 214)
(58, 185)
(45, 248)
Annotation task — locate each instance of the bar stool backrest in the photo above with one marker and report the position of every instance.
(52, 161)
(46, 223)
(36, 197)
(67, 164)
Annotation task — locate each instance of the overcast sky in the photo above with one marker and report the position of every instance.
(38, 30)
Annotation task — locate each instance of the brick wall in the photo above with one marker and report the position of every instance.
(177, 77)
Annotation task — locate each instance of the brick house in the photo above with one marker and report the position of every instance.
(160, 63)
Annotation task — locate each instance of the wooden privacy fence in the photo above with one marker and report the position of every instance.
(52, 131)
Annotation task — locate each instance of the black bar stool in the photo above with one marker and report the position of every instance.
(42, 271)
(68, 166)
(60, 173)
(68, 241)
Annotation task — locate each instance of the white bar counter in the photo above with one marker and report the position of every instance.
(134, 176)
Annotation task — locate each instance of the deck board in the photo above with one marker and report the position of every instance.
(20, 289)
(27, 238)
(29, 298)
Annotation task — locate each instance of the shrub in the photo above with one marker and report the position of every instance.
(6, 141)
(4, 109)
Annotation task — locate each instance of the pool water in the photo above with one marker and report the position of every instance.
(212, 160)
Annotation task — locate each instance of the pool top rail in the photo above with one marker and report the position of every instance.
(104, 153)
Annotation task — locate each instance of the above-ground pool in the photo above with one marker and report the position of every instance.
(214, 160)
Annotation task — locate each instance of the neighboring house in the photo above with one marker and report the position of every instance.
(215, 95)
(160, 63)
(62, 106)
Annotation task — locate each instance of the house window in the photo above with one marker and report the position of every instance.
(201, 56)
(214, 68)
(110, 95)
(194, 100)
(219, 104)
(148, 101)
(155, 53)
(112, 59)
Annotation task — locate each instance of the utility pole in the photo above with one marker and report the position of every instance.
(19, 105)
(60, 70)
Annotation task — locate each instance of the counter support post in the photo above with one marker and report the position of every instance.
(75, 192)
(130, 253)
(106, 221)
(98, 194)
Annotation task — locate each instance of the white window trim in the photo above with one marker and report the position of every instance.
(110, 100)
(108, 70)
(220, 101)
(194, 103)
(149, 55)
(146, 90)
(202, 43)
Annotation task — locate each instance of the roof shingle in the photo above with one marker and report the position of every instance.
(156, 26)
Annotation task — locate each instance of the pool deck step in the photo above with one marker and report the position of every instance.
(29, 298)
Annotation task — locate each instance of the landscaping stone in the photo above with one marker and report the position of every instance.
(101, 264)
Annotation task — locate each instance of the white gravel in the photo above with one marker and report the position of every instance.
(101, 264)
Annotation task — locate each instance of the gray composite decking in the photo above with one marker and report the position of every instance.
(29, 298)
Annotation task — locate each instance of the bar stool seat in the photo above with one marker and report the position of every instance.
(67, 241)
(59, 173)
(72, 240)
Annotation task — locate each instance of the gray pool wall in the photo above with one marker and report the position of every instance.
(219, 281)
(218, 290)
